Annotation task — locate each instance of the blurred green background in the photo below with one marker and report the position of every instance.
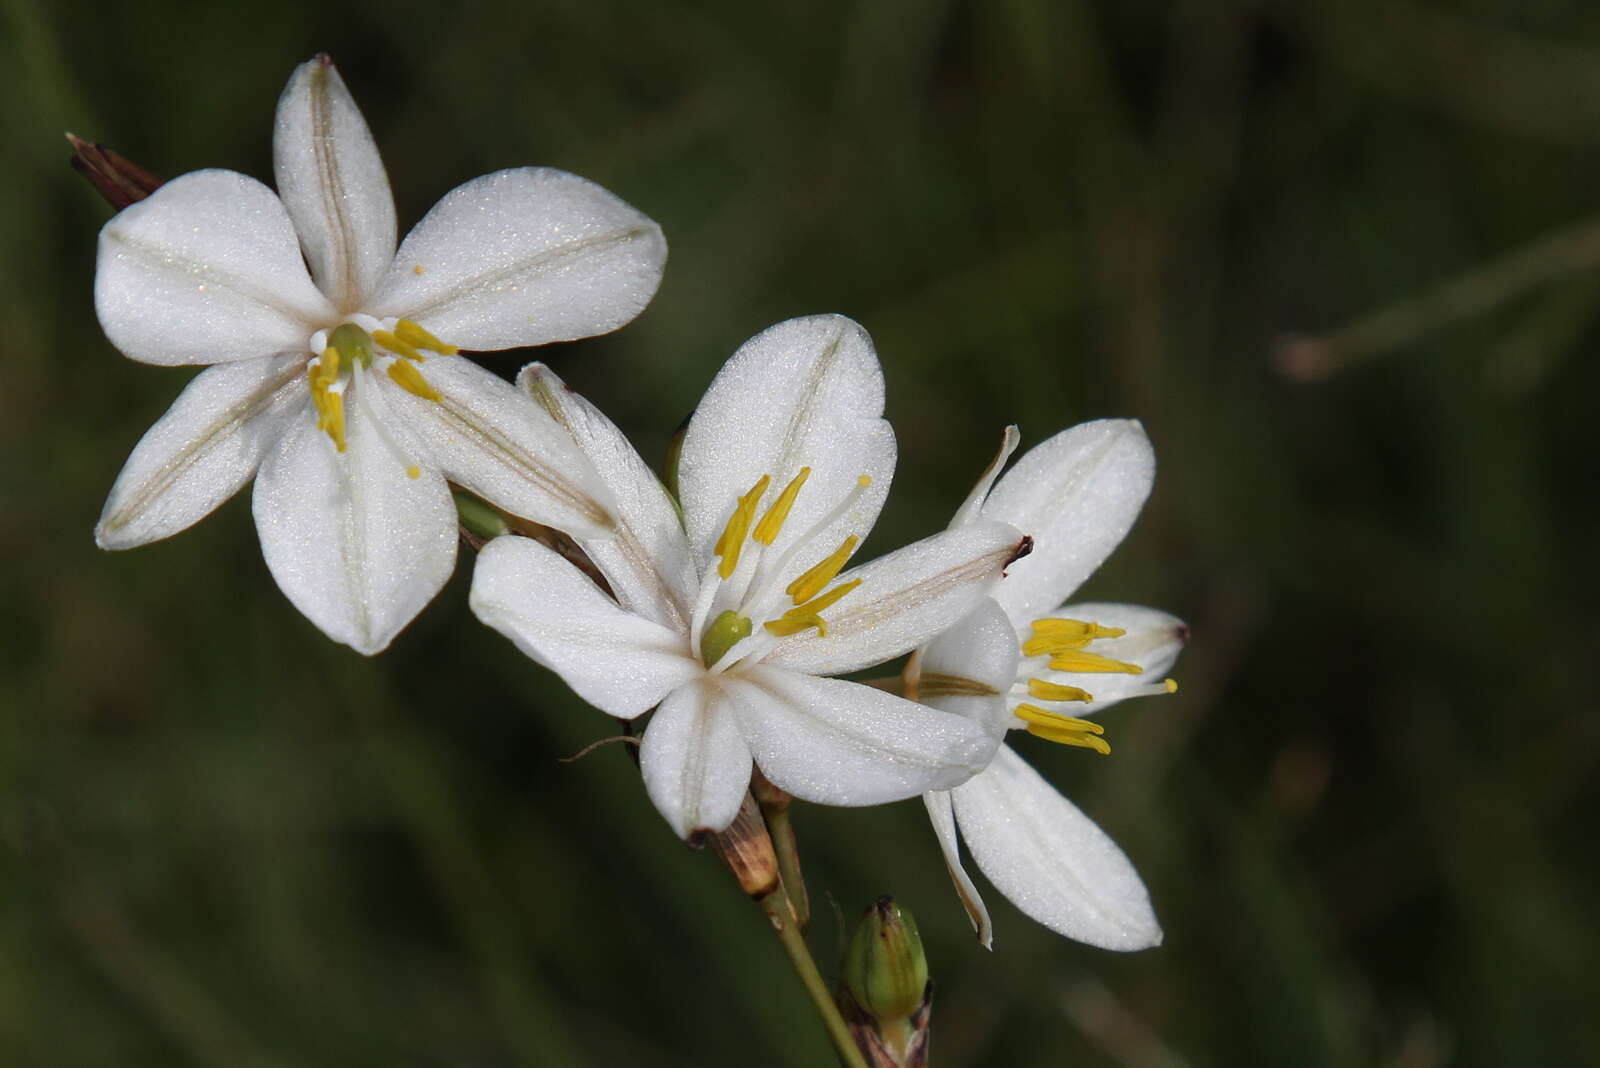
(1367, 820)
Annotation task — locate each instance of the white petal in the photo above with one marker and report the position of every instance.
(332, 181)
(804, 393)
(205, 270)
(356, 545)
(842, 743)
(904, 600)
(621, 663)
(647, 562)
(969, 668)
(1051, 860)
(525, 257)
(942, 814)
(489, 437)
(970, 507)
(1153, 641)
(695, 765)
(206, 446)
(1077, 495)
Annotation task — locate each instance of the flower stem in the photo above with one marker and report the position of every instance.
(779, 913)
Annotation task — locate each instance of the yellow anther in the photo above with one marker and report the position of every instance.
(767, 530)
(1052, 636)
(331, 407)
(413, 471)
(326, 373)
(1072, 660)
(1050, 691)
(397, 346)
(1171, 685)
(808, 615)
(732, 541)
(1067, 730)
(863, 481)
(809, 584)
(410, 379)
(414, 335)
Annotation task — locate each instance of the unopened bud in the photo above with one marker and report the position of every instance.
(884, 968)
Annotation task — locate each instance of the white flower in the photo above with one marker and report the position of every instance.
(332, 387)
(725, 618)
(1019, 661)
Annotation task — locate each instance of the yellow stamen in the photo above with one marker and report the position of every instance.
(1067, 730)
(410, 379)
(767, 530)
(732, 541)
(1072, 660)
(1171, 685)
(331, 406)
(804, 616)
(397, 346)
(1051, 636)
(326, 373)
(807, 585)
(1050, 691)
(414, 335)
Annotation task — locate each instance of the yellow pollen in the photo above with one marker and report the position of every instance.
(413, 471)
(397, 346)
(410, 379)
(1072, 660)
(767, 530)
(732, 541)
(414, 335)
(418, 269)
(804, 616)
(1050, 691)
(1067, 730)
(809, 584)
(1171, 685)
(863, 481)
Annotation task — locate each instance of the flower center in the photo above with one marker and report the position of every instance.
(806, 593)
(350, 350)
(1063, 645)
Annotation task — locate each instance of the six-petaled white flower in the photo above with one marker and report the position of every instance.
(333, 388)
(1021, 659)
(724, 620)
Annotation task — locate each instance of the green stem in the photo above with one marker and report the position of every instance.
(776, 906)
(788, 850)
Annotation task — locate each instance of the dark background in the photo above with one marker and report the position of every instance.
(1367, 818)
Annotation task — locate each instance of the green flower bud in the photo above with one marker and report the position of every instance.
(884, 968)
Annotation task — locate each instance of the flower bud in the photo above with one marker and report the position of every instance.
(884, 968)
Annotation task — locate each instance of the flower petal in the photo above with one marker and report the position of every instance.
(1051, 860)
(842, 743)
(489, 437)
(206, 446)
(941, 812)
(333, 183)
(205, 270)
(356, 545)
(969, 668)
(621, 663)
(695, 765)
(904, 600)
(647, 562)
(525, 257)
(973, 505)
(1153, 641)
(1077, 495)
(804, 393)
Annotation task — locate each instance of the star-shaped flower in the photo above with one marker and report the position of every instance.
(332, 387)
(1023, 658)
(723, 620)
